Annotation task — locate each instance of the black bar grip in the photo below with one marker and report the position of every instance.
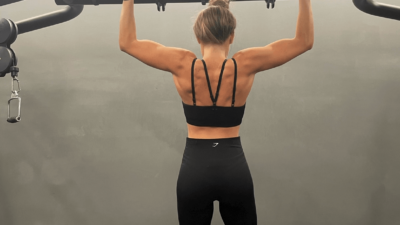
(49, 19)
(14, 119)
(115, 2)
(6, 2)
(378, 9)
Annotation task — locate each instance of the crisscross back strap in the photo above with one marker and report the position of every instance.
(214, 100)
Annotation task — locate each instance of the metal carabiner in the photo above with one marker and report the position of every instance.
(14, 95)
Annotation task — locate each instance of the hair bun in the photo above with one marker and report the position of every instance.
(220, 3)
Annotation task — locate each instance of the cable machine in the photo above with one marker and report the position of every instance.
(8, 34)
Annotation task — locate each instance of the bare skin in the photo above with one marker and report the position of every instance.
(214, 56)
(249, 62)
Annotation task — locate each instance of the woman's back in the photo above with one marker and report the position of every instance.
(249, 62)
(183, 84)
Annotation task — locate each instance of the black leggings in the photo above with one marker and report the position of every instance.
(215, 170)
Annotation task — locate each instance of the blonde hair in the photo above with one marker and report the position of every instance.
(215, 24)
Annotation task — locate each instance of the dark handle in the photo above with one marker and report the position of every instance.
(378, 9)
(6, 2)
(114, 2)
(49, 19)
(14, 119)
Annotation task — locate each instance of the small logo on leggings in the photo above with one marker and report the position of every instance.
(215, 145)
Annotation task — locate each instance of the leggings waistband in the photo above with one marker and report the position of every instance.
(203, 149)
(206, 143)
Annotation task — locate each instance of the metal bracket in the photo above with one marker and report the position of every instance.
(272, 2)
(161, 3)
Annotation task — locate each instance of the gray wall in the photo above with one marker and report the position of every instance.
(102, 134)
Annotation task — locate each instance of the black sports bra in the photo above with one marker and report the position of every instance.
(214, 116)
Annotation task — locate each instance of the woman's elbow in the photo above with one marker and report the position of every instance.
(121, 45)
(310, 46)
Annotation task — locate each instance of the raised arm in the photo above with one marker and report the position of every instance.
(280, 52)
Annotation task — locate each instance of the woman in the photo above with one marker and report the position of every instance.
(214, 166)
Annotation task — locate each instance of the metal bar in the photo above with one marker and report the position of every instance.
(49, 19)
(6, 2)
(105, 2)
(378, 9)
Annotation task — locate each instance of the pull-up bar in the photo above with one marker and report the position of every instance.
(378, 9)
(115, 2)
(49, 19)
(6, 2)
(159, 3)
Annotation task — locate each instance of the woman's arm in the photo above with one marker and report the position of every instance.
(149, 52)
(305, 23)
(259, 59)
(127, 26)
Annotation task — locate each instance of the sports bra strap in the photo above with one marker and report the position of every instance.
(193, 92)
(234, 84)
(219, 82)
(214, 100)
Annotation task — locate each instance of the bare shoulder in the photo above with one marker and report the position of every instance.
(185, 58)
(189, 56)
(243, 63)
(241, 60)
